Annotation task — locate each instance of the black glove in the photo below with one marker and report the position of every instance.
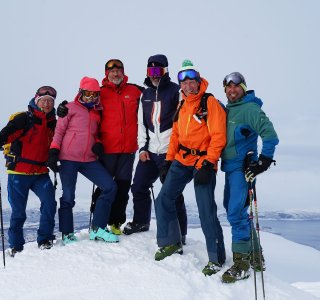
(204, 174)
(164, 170)
(62, 110)
(52, 162)
(257, 167)
(98, 150)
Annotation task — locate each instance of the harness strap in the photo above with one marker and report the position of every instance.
(14, 159)
(188, 151)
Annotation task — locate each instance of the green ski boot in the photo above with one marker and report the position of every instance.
(240, 269)
(211, 268)
(163, 252)
(255, 261)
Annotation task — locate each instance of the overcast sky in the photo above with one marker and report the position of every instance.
(275, 44)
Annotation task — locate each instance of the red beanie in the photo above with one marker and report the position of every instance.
(89, 84)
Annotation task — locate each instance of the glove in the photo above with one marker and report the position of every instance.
(203, 176)
(98, 150)
(62, 110)
(52, 162)
(257, 167)
(164, 170)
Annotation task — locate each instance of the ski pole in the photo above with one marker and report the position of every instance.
(258, 234)
(250, 191)
(92, 206)
(152, 193)
(2, 232)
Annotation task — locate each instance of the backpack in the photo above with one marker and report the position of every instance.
(10, 149)
(202, 110)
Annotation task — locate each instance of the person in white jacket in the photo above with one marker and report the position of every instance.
(155, 118)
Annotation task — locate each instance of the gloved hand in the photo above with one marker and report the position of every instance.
(257, 167)
(98, 150)
(52, 162)
(164, 170)
(204, 174)
(62, 110)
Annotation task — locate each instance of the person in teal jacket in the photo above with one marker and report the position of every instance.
(245, 122)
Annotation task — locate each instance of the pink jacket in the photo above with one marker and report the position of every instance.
(76, 133)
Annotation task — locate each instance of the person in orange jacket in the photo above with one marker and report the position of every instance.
(197, 140)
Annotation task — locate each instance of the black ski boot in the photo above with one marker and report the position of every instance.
(133, 227)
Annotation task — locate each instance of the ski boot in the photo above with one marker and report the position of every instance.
(69, 238)
(240, 269)
(133, 227)
(116, 229)
(99, 234)
(211, 268)
(163, 252)
(45, 244)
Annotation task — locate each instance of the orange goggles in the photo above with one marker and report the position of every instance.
(114, 63)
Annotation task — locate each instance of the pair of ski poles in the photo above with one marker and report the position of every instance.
(253, 202)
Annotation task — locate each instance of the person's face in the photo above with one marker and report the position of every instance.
(190, 86)
(115, 76)
(46, 104)
(155, 80)
(234, 92)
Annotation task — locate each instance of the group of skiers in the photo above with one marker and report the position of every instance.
(181, 132)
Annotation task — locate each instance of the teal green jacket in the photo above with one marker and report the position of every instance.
(245, 122)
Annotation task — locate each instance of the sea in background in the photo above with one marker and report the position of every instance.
(299, 227)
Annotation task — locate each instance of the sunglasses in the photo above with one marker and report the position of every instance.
(156, 71)
(47, 90)
(235, 77)
(114, 63)
(46, 101)
(188, 74)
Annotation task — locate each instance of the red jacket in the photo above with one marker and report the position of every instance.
(119, 126)
(33, 145)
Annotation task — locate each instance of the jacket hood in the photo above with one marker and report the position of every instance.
(34, 107)
(202, 89)
(249, 97)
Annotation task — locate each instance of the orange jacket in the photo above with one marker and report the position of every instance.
(208, 136)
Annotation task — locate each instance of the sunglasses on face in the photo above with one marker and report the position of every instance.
(46, 101)
(114, 63)
(156, 71)
(236, 78)
(47, 90)
(187, 74)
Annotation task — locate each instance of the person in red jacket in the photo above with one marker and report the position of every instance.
(30, 134)
(118, 134)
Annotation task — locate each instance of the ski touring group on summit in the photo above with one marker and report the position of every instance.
(180, 132)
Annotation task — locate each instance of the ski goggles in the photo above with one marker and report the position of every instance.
(188, 74)
(235, 77)
(90, 96)
(114, 63)
(49, 101)
(156, 71)
(46, 90)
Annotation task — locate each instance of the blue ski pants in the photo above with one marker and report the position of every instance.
(97, 174)
(168, 229)
(18, 191)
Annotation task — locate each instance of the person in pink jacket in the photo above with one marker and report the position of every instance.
(76, 145)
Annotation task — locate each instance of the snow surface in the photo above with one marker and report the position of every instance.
(127, 270)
